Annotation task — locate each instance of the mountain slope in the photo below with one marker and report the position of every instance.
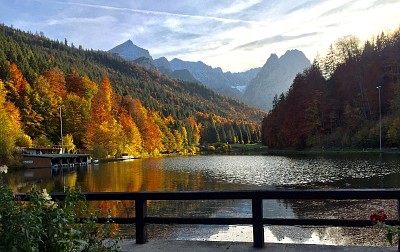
(274, 78)
(159, 92)
(211, 77)
(163, 65)
(183, 75)
(112, 106)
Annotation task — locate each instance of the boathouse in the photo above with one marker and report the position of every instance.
(51, 157)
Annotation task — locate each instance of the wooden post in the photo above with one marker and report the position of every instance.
(398, 218)
(141, 213)
(258, 227)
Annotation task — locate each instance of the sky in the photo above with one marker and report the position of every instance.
(235, 35)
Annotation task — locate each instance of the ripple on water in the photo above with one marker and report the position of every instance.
(282, 170)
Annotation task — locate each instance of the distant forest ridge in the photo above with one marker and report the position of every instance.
(337, 102)
(107, 105)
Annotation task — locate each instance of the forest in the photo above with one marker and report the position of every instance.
(106, 105)
(349, 98)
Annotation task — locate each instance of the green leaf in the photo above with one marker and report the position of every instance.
(389, 237)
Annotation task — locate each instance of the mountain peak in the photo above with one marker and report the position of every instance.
(275, 77)
(273, 56)
(272, 60)
(129, 43)
(293, 53)
(129, 51)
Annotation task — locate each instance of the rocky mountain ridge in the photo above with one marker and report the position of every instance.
(255, 87)
(274, 78)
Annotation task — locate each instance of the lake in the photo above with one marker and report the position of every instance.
(232, 173)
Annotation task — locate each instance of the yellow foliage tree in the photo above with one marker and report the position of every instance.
(109, 136)
(10, 128)
(68, 144)
(132, 140)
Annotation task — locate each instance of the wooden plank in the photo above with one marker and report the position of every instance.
(339, 194)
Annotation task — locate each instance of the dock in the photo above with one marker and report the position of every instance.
(55, 160)
(52, 158)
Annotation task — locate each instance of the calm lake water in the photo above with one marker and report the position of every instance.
(229, 173)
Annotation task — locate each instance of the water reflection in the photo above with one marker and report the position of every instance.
(228, 173)
(220, 173)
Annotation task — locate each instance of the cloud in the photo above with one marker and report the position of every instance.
(73, 21)
(238, 6)
(271, 40)
(159, 13)
(303, 6)
(216, 32)
(337, 10)
(384, 2)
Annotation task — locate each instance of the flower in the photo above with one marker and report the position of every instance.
(378, 216)
(45, 195)
(3, 169)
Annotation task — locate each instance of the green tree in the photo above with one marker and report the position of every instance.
(24, 141)
(46, 103)
(393, 133)
(42, 141)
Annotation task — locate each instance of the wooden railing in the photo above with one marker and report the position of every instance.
(257, 219)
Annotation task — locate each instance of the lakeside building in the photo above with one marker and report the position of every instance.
(52, 158)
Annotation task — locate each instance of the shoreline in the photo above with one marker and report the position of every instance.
(333, 151)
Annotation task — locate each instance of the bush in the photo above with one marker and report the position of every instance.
(42, 224)
(210, 148)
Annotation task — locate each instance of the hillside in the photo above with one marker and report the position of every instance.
(39, 75)
(126, 77)
(337, 102)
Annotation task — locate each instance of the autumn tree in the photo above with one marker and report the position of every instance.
(194, 128)
(24, 141)
(10, 129)
(68, 144)
(18, 91)
(132, 140)
(46, 103)
(151, 134)
(82, 86)
(75, 116)
(167, 143)
(56, 78)
(105, 133)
